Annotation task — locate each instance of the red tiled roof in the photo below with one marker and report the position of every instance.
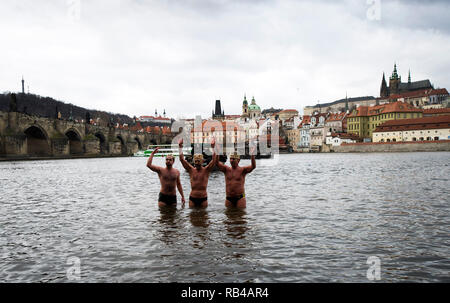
(287, 110)
(420, 93)
(336, 117)
(361, 111)
(212, 124)
(435, 122)
(306, 119)
(436, 111)
(162, 118)
(345, 136)
(394, 107)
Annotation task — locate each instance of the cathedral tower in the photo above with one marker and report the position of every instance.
(245, 107)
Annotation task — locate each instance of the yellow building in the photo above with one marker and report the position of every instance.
(364, 120)
(411, 130)
(293, 136)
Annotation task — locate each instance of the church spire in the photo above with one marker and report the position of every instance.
(346, 102)
(384, 90)
(394, 73)
(409, 77)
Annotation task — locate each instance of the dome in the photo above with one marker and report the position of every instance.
(254, 107)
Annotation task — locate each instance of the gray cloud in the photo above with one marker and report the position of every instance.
(182, 55)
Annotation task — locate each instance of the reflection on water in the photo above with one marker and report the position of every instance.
(311, 218)
(236, 222)
(200, 221)
(199, 217)
(168, 227)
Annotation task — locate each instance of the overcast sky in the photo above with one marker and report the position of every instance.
(133, 57)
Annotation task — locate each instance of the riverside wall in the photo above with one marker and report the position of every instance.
(423, 146)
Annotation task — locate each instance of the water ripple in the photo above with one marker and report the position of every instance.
(311, 218)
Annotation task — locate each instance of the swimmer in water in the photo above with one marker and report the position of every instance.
(170, 181)
(235, 179)
(199, 176)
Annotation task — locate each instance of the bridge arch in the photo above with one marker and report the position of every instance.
(75, 144)
(123, 146)
(140, 147)
(102, 139)
(37, 141)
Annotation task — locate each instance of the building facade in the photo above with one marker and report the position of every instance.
(411, 130)
(364, 120)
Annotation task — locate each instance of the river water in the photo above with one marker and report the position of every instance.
(309, 218)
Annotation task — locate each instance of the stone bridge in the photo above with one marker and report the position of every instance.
(24, 135)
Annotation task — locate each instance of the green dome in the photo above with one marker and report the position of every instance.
(254, 107)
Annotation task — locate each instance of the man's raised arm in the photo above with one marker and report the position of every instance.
(222, 167)
(183, 161)
(155, 168)
(213, 161)
(249, 169)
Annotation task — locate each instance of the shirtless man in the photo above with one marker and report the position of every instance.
(235, 179)
(170, 181)
(199, 176)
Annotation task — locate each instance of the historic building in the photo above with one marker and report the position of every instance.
(317, 131)
(245, 108)
(218, 113)
(336, 122)
(340, 105)
(363, 120)
(252, 111)
(293, 136)
(304, 132)
(396, 86)
(336, 139)
(410, 130)
(226, 133)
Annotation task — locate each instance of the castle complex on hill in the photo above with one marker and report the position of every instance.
(396, 86)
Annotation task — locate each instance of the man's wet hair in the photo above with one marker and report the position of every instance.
(198, 156)
(235, 156)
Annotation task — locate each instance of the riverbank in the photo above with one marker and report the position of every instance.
(422, 146)
(66, 157)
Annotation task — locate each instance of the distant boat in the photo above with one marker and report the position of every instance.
(163, 151)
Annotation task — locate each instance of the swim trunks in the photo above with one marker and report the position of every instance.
(198, 201)
(167, 199)
(234, 200)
